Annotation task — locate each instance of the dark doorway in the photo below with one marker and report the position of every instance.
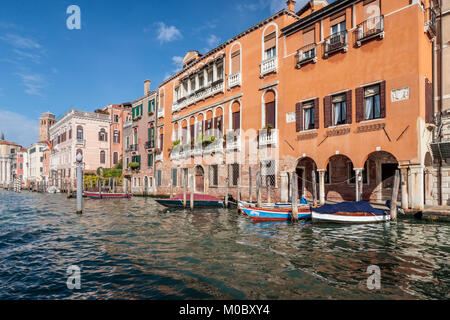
(199, 180)
(300, 172)
(388, 173)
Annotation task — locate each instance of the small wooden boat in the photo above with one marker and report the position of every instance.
(275, 214)
(280, 205)
(200, 201)
(96, 195)
(350, 212)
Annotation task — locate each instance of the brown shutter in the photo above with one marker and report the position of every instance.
(383, 99)
(299, 117)
(235, 62)
(161, 142)
(359, 104)
(429, 108)
(337, 18)
(236, 120)
(270, 41)
(270, 114)
(316, 113)
(327, 116)
(308, 37)
(348, 110)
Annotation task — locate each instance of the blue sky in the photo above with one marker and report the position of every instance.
(44, 66)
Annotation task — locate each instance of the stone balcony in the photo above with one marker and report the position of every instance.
(159, 156)
(234, 80)
(200, 94)
(269, 65)
(268, 137)
(233, 143)
(80, 142)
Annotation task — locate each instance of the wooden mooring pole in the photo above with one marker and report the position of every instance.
(184, 189)
(192, 189)
(395, 195)
(226, 192)
(314, 185)
(250, 184)
(294, 187)
(258, 189)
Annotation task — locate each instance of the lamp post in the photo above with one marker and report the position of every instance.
(79, 183)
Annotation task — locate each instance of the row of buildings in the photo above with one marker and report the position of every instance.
(343, 94)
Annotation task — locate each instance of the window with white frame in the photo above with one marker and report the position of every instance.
(372, 102)
(308, 115)
(339, 109)
(270, 48)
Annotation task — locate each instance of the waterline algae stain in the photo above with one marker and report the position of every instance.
(135, 249)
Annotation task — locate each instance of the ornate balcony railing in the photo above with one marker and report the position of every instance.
(269, 65)
(307, 54)
(159, 156)
(430, 23)
(211, 90)
(268, 137)
(369, 29)
(149, 144)
(175, 154)
(161, 112)
(234, 80)
(81, 142)
(134, 147)
(335, 43)
(216, 146)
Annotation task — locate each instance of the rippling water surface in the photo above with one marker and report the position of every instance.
(134, 249)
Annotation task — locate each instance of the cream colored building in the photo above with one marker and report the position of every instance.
(34, 164)
(8, 160)
(79, 131)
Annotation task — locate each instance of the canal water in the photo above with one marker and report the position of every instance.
(134, 249)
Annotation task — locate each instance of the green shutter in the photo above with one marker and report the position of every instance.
(142, 109)
(150, 160)
(134, 112)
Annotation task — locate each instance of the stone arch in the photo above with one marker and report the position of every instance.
(199, 172)
(305, 167)
(270, 28)
(339, 185)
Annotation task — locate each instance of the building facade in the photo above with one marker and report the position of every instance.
(338, 93)
(35, 163)
(22, 165)
(8, 160)
(140, 149)
(118, 114)
(79, 132)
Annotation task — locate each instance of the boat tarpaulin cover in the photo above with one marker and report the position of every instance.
(349, 207)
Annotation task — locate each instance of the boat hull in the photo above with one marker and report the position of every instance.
(267, 214)
(97, 196)
(176, 203)
(342, 217)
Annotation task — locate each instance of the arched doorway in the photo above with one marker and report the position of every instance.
(380, 170)
(304, 170)
(199, 179)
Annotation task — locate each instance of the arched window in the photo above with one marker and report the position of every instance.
(102, 157)
(270, 43)
(102, 135)
(269, 109)
(235, 116)
(79, 151)
(79, 133)
(235, 59)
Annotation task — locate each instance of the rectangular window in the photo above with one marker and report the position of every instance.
(233, 174)
(158, 178)
(150, 160)
(268, 173)
(270, 46)
(236, 62)
(116, 118)
(210, 75)
(308, 116)
(116, 137)
(214, 175)
(174, 177)
(339, 109)
(372, 102)
(128, 142)
(220, 71)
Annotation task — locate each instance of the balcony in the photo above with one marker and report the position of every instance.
(197, 151)
(209, 91)
(268, 137)
(430, 27)
(134, 148)
(215, 147)
(159, 156)
(335, 43)
(269, 65)
(234, 80)
(161, 112)
(233, 141)
(80, 142)
(370, 29)
(307, 54)
(175, 154)
(149, 144)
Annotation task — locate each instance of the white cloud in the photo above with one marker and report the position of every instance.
(213, 41)
(18, 128)
(178, 62)
(167, 33)
(36, 58)
(20, 42)
(34, 83)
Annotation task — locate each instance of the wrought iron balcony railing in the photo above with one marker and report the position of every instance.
(369, 29)
(307, 54)
(149, 144)
(430, 23)
(336, 42)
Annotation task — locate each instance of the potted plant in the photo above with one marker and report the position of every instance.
(134, 166)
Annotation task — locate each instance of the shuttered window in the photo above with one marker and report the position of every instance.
(150, 160)
(299, 117)
(270, 46)
(158, 178)
(102, 157)
(174, 177)
(429, 108)
(371, 102)
(309, 116)
(213, 175)
(236, 120)
(270, 114)
(309, 37)
(161, 142)
(236, 62)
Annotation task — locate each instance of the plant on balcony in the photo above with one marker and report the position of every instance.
(137, 118)
(157, 150)
(268, 127)
(134, 166)
(151, 113)
(174, 144)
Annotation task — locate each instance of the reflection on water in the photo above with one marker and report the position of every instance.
(134, 249)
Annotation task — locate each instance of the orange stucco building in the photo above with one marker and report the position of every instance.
(339, 93)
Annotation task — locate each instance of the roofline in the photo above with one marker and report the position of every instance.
(143, 97)
(313, 17)
(223, 45)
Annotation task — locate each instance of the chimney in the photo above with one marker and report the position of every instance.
(146, 87)
(291, 5)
